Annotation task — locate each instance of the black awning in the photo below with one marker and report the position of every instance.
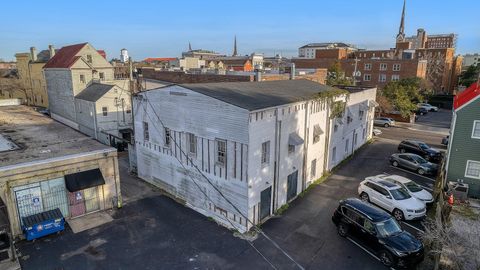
(83, 180)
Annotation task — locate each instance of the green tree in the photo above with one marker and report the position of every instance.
(336, 76)
(403, 95)
(470, 75)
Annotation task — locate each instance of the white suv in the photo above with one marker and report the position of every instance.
(412, 187)
(428, 107)
(392, 198)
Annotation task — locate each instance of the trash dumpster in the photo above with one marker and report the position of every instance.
(41, 224)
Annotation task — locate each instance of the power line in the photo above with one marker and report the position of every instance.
(206, 196)
(216, 189)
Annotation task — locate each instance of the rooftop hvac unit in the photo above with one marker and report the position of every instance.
(459, 190)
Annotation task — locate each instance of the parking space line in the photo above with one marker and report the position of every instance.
(366, 250)
(428, 178)
(413, 227)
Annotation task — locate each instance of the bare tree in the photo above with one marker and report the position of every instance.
(13, 86)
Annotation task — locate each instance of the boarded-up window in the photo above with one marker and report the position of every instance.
(146, 135)
(266, 152)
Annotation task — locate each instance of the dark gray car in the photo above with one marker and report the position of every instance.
(413, 162)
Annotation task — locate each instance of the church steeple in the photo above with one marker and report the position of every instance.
(401, 29)
(189, 46)
(235, 46)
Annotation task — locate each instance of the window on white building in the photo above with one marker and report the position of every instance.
(146, 135)
(334, 153)
(476, 129)
(104, 111)
(313, 169)
(167, 136)
(266, 152)
(317, 131)
(360, 114)
(291, 148)
(221, 151)
(395, 78)
(473, 169)
(383, 66)
(335, 128)
(82, 78)
(192, 143)
(101, 76)
(368, 66)
(347, 142)
(89, 58)
(367, 77)
(382, 78)
(396, 67)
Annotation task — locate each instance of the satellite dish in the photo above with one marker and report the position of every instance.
(357, 74)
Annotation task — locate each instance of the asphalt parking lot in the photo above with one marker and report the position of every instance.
(154, 232)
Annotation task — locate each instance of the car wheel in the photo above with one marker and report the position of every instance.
(342, 229)
(395, 164)
(364, 197)
(398, 214)
(421, 171)
(386, 258)
(386, 125)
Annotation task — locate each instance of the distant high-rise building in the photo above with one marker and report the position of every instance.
(124, 55)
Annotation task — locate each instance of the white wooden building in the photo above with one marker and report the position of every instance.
(259, 144)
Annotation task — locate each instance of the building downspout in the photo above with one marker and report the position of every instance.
(326, 157)
(305, 149)
(278, 125)
(95, 121)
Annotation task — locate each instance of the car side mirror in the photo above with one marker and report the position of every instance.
(388, 197)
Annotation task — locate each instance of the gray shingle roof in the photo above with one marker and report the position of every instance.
(94, 92)
(258, 95)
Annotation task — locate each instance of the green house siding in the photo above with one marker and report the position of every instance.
(464, 148)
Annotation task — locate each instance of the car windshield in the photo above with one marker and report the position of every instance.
(419, 159)
(400, 194)
(388, 227)
(424, 146)
(413, 187)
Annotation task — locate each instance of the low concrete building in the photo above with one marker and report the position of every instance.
(46, 165)
(256, 144)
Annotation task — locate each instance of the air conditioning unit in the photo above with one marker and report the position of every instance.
(459, 190)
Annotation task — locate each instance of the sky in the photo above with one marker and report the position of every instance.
(164, 28)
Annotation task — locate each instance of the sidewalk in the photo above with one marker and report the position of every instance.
(420, 127)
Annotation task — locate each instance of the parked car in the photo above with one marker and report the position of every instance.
(420, 148)
(384, 122)
(428, 107)
(413, 188)
(421, 111)
(392, 198)
(378, 232)
(445, 140)
(376, 131)
(414, 162)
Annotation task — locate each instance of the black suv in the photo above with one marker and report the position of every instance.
(420, 148)
(379, 232)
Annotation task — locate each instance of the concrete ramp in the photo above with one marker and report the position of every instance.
(89, 221)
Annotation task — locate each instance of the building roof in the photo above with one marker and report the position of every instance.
(65, 57)
(259, 95)
(102, 53)
(328, 45)
(466, 96)
(158, 59)
(94, 91)
(40, 138)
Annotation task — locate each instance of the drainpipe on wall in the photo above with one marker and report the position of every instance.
(276, 161)
(305, 149)
(326, 156)
(95, 121)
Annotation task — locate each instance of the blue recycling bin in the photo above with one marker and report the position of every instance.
(41, 224)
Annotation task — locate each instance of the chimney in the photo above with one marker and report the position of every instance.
(292, 71)
(51, 49)
(33, 54)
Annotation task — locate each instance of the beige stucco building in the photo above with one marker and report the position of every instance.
(30, 73)
(46, 165)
